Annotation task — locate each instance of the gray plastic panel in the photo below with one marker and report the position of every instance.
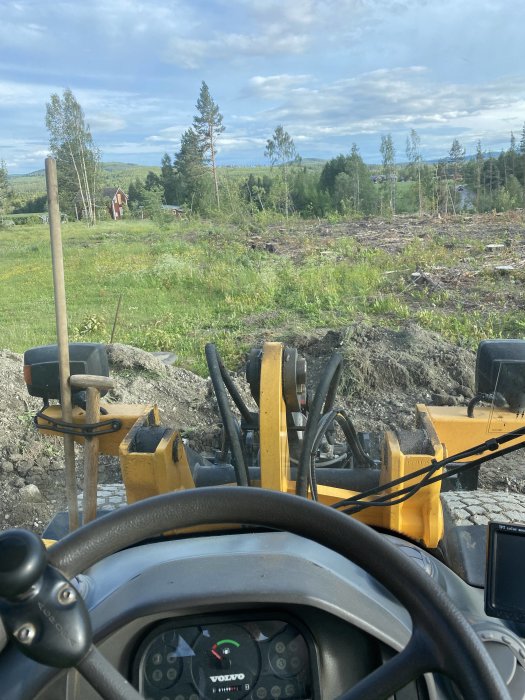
(344, 608)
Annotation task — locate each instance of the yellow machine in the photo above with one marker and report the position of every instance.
(304, 444)
(248, 592)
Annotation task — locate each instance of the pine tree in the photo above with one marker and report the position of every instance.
(479, 172)
(190, 171)
(512, 154)
(168, 180)
(208, 126)
(456, 158)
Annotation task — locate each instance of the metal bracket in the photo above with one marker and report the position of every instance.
(88, 430)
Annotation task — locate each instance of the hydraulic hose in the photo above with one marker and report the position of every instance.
(233, 391)
(229, 422)
(478, 399)
(350, 433)
(323, 401)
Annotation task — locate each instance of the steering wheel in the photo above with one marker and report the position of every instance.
(442, 640)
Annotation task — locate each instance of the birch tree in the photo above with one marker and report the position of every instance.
(522, 158)
(388, 155)
(72, 146)
(415, 161)
(4, 187)
(280, 151)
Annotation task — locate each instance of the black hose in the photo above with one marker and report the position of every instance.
(229, 422)
(408, 491)
(478, 399)
(361, 458)
(234, 392)
(323, 425)
(324, 397)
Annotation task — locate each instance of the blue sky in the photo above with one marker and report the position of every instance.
(332, 72)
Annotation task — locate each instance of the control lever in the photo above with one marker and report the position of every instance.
(42, 612)
(47, 618)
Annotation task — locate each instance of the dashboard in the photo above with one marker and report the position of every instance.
(255, 615)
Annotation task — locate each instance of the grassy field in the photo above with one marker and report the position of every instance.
(190, 282)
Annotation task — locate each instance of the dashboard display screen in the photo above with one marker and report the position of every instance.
(237, 658)
(504, 586)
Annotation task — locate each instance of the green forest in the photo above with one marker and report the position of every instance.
(400, 183)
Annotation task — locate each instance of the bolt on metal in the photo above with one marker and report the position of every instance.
(26, 633)
(66, 595)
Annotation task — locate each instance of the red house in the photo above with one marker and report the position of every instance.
(118, 199)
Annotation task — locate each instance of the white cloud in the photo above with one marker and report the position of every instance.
(325, 69)
(391, 100)
(274, 87)
(193, 53)
(22, 94)
(14, 34)
(107, 123)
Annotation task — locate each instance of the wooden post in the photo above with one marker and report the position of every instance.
(62, 337)
(92, 384)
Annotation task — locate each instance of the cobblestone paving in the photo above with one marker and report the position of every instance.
(482, 507)
(109, 497)
(465, 507)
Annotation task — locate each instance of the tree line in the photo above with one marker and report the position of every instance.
(344, 185)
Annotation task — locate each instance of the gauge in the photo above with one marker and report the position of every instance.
(161, 667)
(288, 653)
(226, 663)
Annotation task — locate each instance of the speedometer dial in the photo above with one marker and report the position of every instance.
(227, 662)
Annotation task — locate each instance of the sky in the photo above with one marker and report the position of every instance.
(331, 72)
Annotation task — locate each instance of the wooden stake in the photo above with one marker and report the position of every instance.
(92, 384)
(62, 337)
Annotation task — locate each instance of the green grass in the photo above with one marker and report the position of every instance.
(181, 287)
(187, 283)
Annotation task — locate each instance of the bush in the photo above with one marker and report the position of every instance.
(27, 219)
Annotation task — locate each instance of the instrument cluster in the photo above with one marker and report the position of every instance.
(267, 658)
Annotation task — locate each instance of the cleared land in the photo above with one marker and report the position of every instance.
(185, 283)
(405, 301)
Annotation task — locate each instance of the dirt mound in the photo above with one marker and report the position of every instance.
(386, 372)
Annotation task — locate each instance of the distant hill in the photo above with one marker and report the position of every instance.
(113, 174)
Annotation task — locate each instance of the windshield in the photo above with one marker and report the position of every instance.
(340, 177)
